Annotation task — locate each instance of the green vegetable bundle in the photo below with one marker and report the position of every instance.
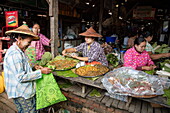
(151, 72)
(95, 93)
(163, 49)
(167, 95)
(45, 59)
(112, 59)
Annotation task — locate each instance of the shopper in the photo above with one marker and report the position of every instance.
(19, 76)
(91, 50)
(137, 58)
(148, 37)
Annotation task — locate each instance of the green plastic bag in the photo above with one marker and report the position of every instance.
(47, 92)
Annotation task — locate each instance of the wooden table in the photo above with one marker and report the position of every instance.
(97, 84)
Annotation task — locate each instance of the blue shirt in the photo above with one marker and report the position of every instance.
(95, 53)
(19, 77)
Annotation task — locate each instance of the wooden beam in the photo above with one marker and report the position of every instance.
(51, 6)
(48, 1)
(101, 15)
(54, 27)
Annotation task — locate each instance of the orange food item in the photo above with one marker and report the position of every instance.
(93, 63)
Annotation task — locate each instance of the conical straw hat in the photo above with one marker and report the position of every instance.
(23, 29)
(90, 33)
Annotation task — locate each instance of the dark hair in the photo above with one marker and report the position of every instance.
(133, 34)
(146, 34)
(13, 36)
(139, 40)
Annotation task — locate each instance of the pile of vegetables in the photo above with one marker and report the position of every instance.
(113, 60)
(165, 66)
(164, 48)
(45, 59)
(167, 95)
(151, 72)
(95, 93)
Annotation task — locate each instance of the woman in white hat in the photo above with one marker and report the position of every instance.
(92, 51)
(19, 76)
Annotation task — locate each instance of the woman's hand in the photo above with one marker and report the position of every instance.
(167, 54)
(64, 52)
(148, 68)
(74, 56)
(38, 67)
(45, 70)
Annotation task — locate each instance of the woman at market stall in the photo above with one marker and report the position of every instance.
(39, 45)
(137, 58)
(19, 76)
(132, 38)
(148, 37)
(91, 50)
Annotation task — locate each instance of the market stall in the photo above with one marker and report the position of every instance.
(71, 73)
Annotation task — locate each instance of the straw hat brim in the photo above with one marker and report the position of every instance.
(90, 34)
(26, 32)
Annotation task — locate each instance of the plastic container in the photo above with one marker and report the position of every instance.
(111, 39)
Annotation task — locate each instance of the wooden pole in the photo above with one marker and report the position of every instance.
(101, 16)
(53, 13)
(48, 1)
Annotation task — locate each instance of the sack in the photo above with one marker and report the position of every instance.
(2, 85)
(47, 92)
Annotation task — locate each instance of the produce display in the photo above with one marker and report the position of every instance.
(127, 81)
(167, 95)
(165, 68)
(164, 48)
(45, 59)
(91, 71)
(63, 63)
(113, 60)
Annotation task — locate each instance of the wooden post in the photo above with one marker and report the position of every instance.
(53, 13)
(101, 16)
(48, 1)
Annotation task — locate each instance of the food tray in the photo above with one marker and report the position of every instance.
(63, 63)
(89, 76)
(64, 69)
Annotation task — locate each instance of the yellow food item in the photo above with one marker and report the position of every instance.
(2, 87)
(92, 70)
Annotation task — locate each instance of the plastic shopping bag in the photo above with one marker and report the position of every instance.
(47, 92)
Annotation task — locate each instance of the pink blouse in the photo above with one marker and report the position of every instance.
(39, 45)
(135, 60)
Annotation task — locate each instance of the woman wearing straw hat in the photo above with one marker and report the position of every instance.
(19, 76)
(91, 50)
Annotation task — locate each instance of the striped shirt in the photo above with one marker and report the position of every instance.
(19, 77)
(39, 45)
(95, 53)
(149, 48)
(134, 59)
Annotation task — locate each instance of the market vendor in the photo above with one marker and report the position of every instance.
(91, 50)
(137, 58)
(148, 37)
(19, 76)
(39, 45)
(132, 38)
